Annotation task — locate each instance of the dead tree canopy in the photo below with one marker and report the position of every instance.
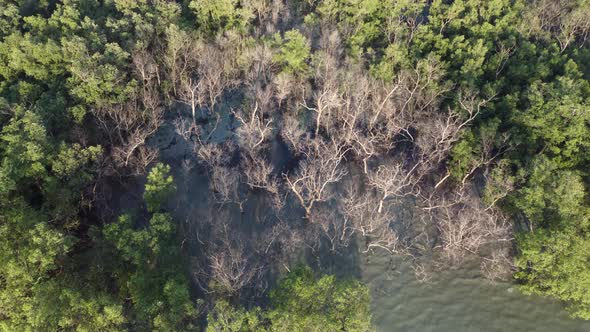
(322, 167)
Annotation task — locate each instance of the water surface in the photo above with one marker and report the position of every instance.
(456, 301)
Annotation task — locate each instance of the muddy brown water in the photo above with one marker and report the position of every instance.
(456, 301)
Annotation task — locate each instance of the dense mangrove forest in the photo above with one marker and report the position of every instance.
(294, 165)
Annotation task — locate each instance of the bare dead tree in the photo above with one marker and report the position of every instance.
(284, 85)
(235, 259)
(180, 55)
(278, 10)
(499, 265)
(329, 225)
(200, 72)
(321, 168)
(253, 136)
(230, 269)
(348, 122)
(279, 243)
(464, 224)
(376, 112)
(225, 183)
(364, 146)
(565, 20)
(421, 272)
(258, 174)
(225, 179)
(146, 67)
(438, 133)
(253, 132)
(293, 134)
(371, 113)
(258, 76)
(366, 215)
(383, 102)
(391, 180)
(491, 149)
(214, 155)
(145, 156)
(189, 132)
(352, 112)
(574, 26)
(130, 125)
(262, 9)
(216, 70)
(231, 265)
(326, 97)
(504, 51)
(188, 93)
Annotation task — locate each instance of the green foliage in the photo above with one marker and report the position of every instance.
(367, 24)
(41, 186)
(301, 302)
(59, 63)
(35, 59)
(226, 318)
(293, 53)
(464, 155)
(555, 263)
(67, 69)
(552, 259)
(59, 306)
(139, 23)
(144, 245)
(220, 14)
(159, 292)
(394, 60)
(554, 119)
(97, 79)
(30, 249)
(160, 185)
(499, 183)
(551, 195)
(9, 17)
(73, 167)
(466, 34)
(467, 154)
(25, 148)
(153, 277)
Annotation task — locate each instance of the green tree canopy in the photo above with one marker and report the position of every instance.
(302, 302)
